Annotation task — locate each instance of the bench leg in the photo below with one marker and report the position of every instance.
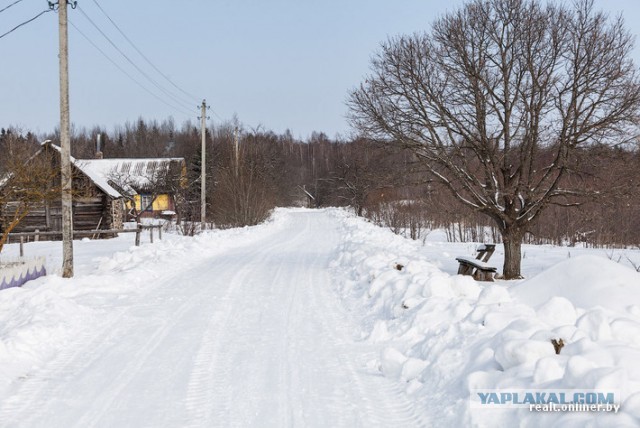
(465, 269)
(483, 275)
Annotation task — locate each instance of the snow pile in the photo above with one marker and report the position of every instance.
(445, 336)
(587, 281)
(34, 325)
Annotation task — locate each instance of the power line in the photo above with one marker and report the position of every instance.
(149, 78)
(143, 55)
(25, 22)
(14, 3)
(177, 109)
(217, 115)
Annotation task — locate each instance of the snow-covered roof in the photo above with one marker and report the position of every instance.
(128, 175)
(122, 176)
(100, 180)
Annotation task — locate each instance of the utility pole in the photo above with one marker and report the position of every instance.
(203, 166)
(235, 139)
(65, 145)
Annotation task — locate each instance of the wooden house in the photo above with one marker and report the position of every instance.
(104, 191)
(148, 185)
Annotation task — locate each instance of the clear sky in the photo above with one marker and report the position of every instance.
(276, 63)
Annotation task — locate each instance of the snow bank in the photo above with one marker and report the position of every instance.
(587, 281)
(444, 336)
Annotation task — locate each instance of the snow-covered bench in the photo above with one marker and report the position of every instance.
(478, 266)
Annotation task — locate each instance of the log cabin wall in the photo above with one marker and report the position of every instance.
(89, 213)
(92, 209)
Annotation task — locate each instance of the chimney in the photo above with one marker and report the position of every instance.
(99, 147)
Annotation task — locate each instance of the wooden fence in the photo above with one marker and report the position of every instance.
(20, 237)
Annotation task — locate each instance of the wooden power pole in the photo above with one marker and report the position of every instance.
(237, 151)
(65, 146)
(203, 167)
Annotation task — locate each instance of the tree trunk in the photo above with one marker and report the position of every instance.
(17, 218)
(512, 239)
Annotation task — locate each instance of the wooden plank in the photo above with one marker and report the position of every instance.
(476, 268)
(475, 262)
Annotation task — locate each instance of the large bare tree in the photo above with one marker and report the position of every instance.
(498, 99)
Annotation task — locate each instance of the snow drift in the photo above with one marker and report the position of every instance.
(444, 335)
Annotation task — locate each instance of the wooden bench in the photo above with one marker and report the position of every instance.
(478, 267)
(485, 251)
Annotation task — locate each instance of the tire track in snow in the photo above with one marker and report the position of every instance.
(288, 400)
(199, 393)
(64, 366)
(284, 401)
(385, 404)
(246, 387)
(104, 403)
(33, 401)
(207, 401)
(201, 390)
(341, 393)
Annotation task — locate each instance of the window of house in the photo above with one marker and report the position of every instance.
(146, 202)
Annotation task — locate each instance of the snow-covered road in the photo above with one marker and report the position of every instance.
(251, 336)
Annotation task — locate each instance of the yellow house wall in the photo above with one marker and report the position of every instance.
(161, 203)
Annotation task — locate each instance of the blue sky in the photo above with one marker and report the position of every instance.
(276, 63)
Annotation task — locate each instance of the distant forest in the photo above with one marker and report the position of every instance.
(383, 184)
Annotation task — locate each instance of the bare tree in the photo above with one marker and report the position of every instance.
(245, 193)
(359, 168)
(498, 99)
(28, 181)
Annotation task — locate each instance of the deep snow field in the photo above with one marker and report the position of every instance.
(439, 336)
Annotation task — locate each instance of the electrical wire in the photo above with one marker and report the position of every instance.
(143, 55)
(14, 3)
(217, 115)
(177, 109)
(149, 78)
(25, 23)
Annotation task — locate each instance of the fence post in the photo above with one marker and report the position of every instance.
(138, 230)
(21, 246)
(160, 232)
(151, 234)
(37, 237)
